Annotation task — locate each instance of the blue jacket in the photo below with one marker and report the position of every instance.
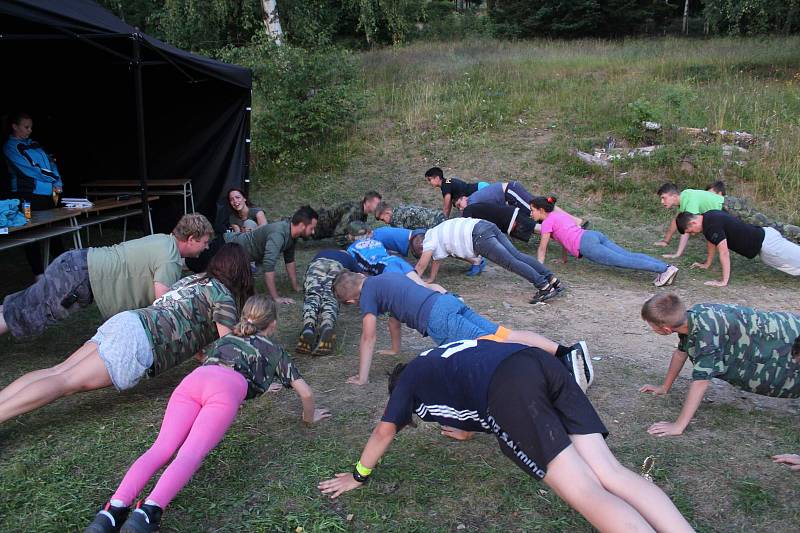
(30, 168)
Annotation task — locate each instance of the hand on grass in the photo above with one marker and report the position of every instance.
(339, 485)
(658, 390)
(562, 260)
(319, 414)
(791, 459)
(356, 380)
(669, 256)
(715, 283)
(704, 266)
(665, 429)
(282, 300)
(661, 243)
(457, 434)
(388, 352)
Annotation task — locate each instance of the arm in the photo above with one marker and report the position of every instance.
(261, 218)
(395, 333)
(675, 365)
(160, 289)
(673, 227)
(380, 440)
(422, 263)
(291, 270)
(541, 252)
(693, 399)
(434, 271)
(221, 331)
(235, 228)
(446, 205)
(725, 261)
(682, 242)
(310, 414)
(269, 281)
(366, 349)
(711, 249)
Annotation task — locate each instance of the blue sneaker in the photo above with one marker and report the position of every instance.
(475, 270)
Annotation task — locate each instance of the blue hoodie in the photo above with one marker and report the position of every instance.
(31, 169)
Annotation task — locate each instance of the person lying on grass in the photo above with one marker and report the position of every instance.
(474, 240)
(592, 245)
(750, 349)
(238, 367)
(724, 232)
(409, 216)
(129, 345)
(443, 317)
(374, 259)
(543, 422)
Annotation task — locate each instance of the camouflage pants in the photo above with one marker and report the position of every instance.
(63, 289)
(741, 209)
(320, 307)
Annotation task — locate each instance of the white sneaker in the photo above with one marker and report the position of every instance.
(667, 277)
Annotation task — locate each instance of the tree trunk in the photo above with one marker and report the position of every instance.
(271, 21)
(686, 18)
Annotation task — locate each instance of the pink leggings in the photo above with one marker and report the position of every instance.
(199, 412)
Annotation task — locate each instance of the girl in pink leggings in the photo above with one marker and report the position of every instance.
(202, 408)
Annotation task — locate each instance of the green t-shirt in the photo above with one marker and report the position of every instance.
(697, 202)
(183, 321)
(122, 275)
(749, 349)
(265, 243)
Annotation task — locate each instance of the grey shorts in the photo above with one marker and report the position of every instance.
(63, 289)
(125, 349)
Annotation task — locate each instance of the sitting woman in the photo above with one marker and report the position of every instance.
(239, 366)
(34, 178)
(592, 245)
(196, 311)
(244, 216)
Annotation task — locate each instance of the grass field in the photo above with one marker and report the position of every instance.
(492, 111)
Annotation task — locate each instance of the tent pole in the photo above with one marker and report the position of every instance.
(137, 89)
(247, 141)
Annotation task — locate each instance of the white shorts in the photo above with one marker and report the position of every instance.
(780, 253)
(125, 349)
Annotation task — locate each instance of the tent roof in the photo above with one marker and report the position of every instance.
(86, 20)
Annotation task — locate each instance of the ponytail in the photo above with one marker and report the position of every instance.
(548, 203)
(258, 312)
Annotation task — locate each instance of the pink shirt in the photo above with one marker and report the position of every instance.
(564, 230)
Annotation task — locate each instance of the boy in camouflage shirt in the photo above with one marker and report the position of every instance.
(409, 216)
(750, 349)
(320, 306)
(333, 222)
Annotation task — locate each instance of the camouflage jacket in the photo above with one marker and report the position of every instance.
(749, 349)
(257, 358)
(333, 222)
(416, 217)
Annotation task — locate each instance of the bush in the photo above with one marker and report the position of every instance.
(302, 98)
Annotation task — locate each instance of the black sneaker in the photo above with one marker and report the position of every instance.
(108, 520)
(579, 363)
(306, 341)
(144, 519)
(554, 282)
(545, 293)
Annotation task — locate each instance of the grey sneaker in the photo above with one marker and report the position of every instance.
(579, 364)
(667, 277)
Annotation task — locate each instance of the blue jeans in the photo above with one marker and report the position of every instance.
(598, 248)
(451, 320)
(490, 242)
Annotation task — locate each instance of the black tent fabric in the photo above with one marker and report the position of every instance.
(73, 66)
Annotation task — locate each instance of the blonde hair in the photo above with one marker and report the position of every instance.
(346, 286)
(193, 225)
(664, 310)
(259, 311)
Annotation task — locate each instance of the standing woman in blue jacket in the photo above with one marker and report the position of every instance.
(34, 178)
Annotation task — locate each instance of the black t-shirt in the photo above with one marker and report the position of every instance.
(449, 384)
(743, 238)
(502, 216)
(457, 188)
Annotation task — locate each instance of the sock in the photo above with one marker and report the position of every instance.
(118, 503)
(148, 501)
(562, 350)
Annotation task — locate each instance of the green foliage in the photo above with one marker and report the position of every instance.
(752, 17)
(576, 18)
(446, 23)
(302, 97)
(386, 20)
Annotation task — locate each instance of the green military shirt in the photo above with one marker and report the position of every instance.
(698, 202)
(265, 243)
(257, 358)
(183, 321)
(749, 349)
(333, 222)
(416, 217)
(122, 275)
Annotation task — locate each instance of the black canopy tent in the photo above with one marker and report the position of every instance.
(113, 103)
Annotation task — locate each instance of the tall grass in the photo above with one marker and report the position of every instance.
(594, 88)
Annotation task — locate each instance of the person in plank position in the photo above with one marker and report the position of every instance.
(750, 349)
(265, 243)
(451, 188)
(724, 232)
(443, 317)
(513, 221)
(334, 221)
(126, 276)
(409, 216)
(542, 421)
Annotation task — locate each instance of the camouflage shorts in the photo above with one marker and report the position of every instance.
(63, 289)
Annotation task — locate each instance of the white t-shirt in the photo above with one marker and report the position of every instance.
(451, 237)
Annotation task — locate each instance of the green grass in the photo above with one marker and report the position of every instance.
(491, 110)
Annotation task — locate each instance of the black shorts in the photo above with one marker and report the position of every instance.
(534, 405)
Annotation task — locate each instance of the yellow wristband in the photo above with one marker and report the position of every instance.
(363, 470)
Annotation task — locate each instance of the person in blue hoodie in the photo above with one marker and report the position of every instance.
(34, 178)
